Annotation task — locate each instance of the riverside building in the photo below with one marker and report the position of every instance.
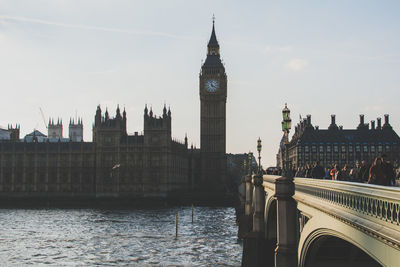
(336, 145)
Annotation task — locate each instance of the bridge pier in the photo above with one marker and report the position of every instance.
(246, 220)
(255, 246)
(259, 200)
(286, 249)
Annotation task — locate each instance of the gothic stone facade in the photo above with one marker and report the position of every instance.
(114, 164)
(118, 164)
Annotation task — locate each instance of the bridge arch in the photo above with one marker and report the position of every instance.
(270, 218)
(325, 240)
(270, 228)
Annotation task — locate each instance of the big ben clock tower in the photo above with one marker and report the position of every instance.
(213, 92)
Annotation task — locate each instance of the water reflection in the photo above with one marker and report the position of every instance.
(121, 237)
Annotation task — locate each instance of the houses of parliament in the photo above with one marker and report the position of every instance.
(116, 164)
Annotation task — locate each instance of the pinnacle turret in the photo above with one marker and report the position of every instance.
(165, 110)
(118, 113)
(106, 114)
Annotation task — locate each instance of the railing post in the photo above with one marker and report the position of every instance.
(286, 248)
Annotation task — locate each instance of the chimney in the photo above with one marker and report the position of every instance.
(308, 120)
(361, 119)
(372, 125)
(386, 119)
(379, 123)
(317, 127)
(333, 125)
(341, 127)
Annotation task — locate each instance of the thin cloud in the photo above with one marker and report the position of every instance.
(274, 49)
(297, 64)
(102, 72)
(90, 28)
(374, 108)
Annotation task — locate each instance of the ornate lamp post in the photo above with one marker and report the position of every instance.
(286, 126)
(259, 196)
(259, 146)
(286, 250)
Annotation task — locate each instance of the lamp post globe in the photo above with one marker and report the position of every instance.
(287, 121)
(259, 146)
(286, 126)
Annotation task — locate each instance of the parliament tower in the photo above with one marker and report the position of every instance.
(213, 93)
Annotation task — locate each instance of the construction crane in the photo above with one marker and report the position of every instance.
(44, 120)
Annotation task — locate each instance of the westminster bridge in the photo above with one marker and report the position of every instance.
(310, 222)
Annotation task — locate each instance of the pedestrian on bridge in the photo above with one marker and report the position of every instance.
(377, 173)
(318, 171)
(300, 172)
(363, 172)
(343, 174)
(353, 174)
(334, 172)
(327, 173)
(388, 170)
(308, 171)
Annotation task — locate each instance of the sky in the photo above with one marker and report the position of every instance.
(337, 57)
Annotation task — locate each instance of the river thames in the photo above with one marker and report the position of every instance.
(136, 237)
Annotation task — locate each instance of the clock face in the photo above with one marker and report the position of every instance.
(212, 85)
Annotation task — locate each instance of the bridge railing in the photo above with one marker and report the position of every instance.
(378, 202)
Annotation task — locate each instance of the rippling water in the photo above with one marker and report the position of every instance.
(140, 237)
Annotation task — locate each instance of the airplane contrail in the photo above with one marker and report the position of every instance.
(90, 28)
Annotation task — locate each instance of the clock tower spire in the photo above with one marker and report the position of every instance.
(213, 94)
(213, 46)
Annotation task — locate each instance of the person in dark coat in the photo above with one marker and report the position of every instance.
(377, 174)
(388, 169)
(343, 174)
(318, 171)
(355, 175)
(363, 173)
(308, 171)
